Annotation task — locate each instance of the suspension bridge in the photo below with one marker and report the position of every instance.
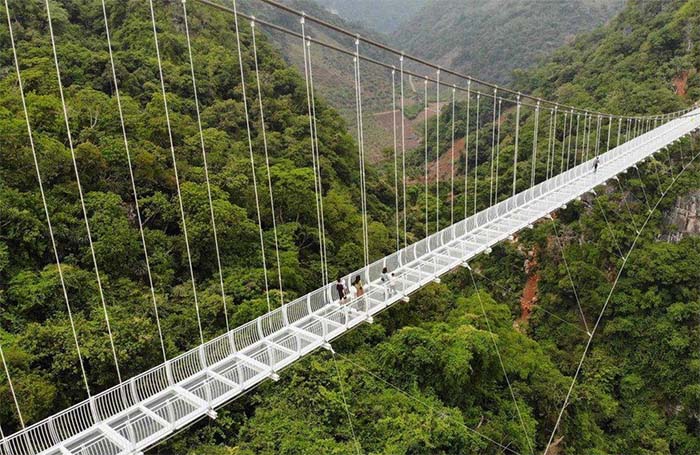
(144, 410)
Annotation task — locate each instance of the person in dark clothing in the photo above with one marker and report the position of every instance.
(595, 164)
(340, 288)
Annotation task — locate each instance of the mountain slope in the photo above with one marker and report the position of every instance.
(646, 60)
(385, 16)
(490, 38)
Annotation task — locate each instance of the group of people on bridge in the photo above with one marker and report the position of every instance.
(357, 287)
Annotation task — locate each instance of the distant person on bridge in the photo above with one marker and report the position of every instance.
(357, 284)
(387, 280)
(595, 164)
(341, 289)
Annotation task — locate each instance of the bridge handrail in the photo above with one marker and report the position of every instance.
(82, 416)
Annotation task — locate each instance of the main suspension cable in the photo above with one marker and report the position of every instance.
(378, 45)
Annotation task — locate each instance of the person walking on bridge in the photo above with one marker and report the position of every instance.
(596, 162)
(341, 289)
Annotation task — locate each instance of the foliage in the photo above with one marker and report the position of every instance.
(490, 39)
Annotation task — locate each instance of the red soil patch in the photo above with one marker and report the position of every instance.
(444, 164)
(680, 83)
(529, 298)
(530, 292)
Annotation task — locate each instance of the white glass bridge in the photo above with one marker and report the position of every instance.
(144, 410)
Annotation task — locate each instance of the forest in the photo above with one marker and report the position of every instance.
(425, 377)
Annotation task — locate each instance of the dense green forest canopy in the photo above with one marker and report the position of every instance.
(33, 324)
(425, 376)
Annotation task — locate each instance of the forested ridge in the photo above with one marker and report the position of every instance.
(489, 39)
(425, 375)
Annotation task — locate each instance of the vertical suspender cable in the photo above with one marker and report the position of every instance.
(403, 158)
(571, 131)
(619, 130)
(177, 178)
(466, 147)
(563, 143)
(133, 184)
(396, 163)
(12, 388)
(587, 136)
(628, 130)
(204, 161)
(437, 153)
(252, 158)
(534, 144)
(549, 142)
(425, 151)
(452, 162)
(52, 237)
(578, 119)
(498, 147)
(554, 141)
(610, 123)
(317, 150)
(3, 444)
(597, 135)
(16, 401)
(517, 139)
(493, 146)
(313, 146)
(361, 138)
(476, 150)
(80, 192)
(267, 160)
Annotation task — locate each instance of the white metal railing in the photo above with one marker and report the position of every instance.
(146, 408)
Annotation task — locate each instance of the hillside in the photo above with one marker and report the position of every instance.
(424, 378)
(385, 16)
(488, 39)
(647, 59)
